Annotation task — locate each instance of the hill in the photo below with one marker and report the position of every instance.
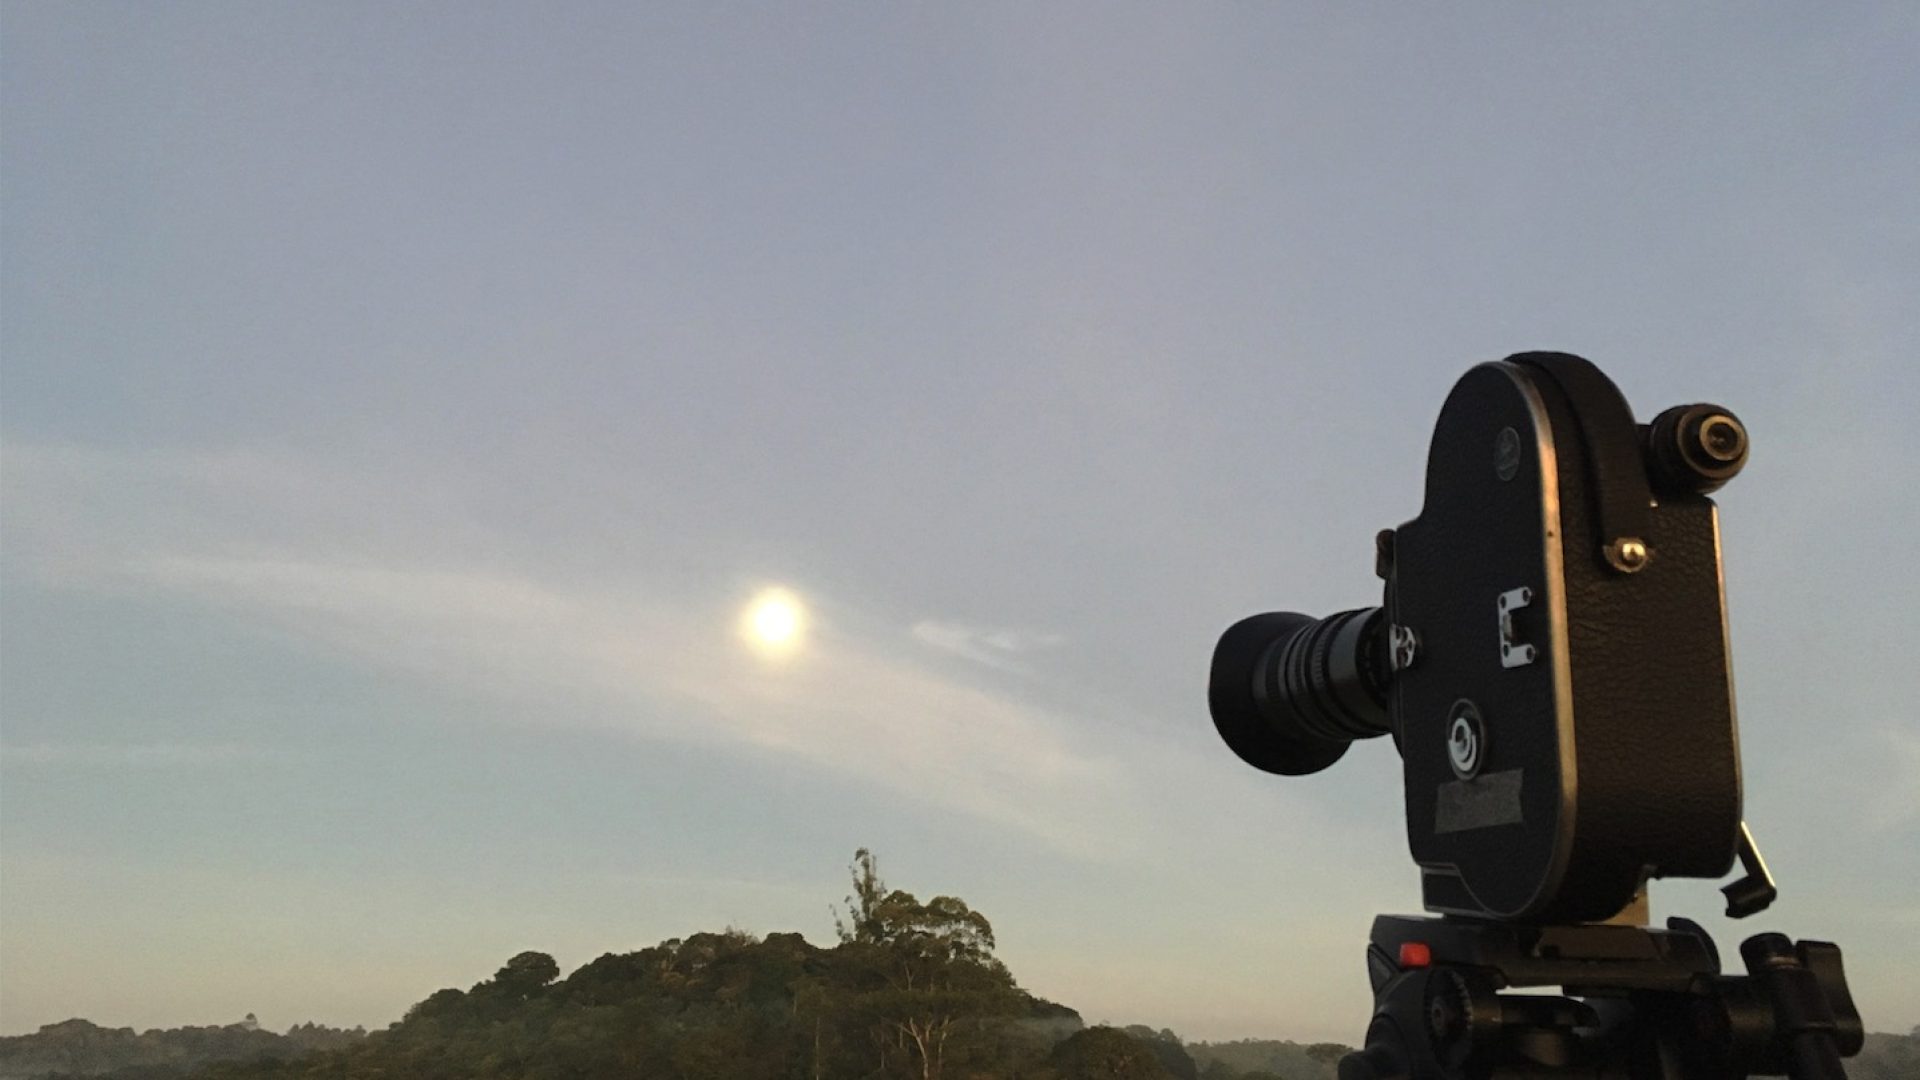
(80, 1048)
(910, 990)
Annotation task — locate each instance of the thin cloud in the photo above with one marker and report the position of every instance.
(664, 667)
(994, 647)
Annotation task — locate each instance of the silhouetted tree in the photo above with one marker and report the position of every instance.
(930, 967)
(1104, 1053)
(526, 974)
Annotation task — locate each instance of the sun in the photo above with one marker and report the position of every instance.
(774, 623)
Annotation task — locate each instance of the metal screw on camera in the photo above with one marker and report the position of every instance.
(1628, 554)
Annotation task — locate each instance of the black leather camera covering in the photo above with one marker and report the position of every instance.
(1613, 755)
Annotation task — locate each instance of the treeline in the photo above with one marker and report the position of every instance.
(79, 1048)
(910, 991)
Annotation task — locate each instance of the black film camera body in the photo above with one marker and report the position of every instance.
(1551, 659)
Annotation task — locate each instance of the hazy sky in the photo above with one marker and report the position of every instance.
(400, 404)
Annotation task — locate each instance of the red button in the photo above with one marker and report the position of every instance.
(1413, 954)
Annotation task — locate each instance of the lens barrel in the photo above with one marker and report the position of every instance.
(1289, 692)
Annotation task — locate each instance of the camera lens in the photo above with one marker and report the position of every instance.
(1289, 692)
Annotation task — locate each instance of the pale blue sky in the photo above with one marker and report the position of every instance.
(399, 405)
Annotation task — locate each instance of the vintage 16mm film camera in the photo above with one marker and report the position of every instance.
(1551, 660)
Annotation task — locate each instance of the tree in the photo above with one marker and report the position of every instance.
(525, 975)
(930, 965)
(1104, 1053)
(862, 925)
(437, 1004)
(1328, 1053)
(1168, 1050)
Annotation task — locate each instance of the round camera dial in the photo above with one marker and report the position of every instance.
(1466, 739)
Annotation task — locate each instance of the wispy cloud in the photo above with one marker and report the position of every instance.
(995, 647)
(664, 666)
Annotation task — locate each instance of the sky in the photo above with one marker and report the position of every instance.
(400, 405)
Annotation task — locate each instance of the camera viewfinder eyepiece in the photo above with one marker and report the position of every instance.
(1695, 448)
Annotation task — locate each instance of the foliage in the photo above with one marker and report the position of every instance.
(1104, 1053)
(910, 991)
(922, 976)
(79, 1048)
(1168, 1050)
(524, 976)
(1261, 1059)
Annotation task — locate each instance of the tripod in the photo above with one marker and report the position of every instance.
(1639, 1004)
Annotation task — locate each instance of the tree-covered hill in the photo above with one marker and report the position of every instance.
(79, 1048)
(1263, 1059)
(911, 990)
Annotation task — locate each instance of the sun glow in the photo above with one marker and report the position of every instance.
(774, 623)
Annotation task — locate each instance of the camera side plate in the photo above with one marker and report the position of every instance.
(1610, 755)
